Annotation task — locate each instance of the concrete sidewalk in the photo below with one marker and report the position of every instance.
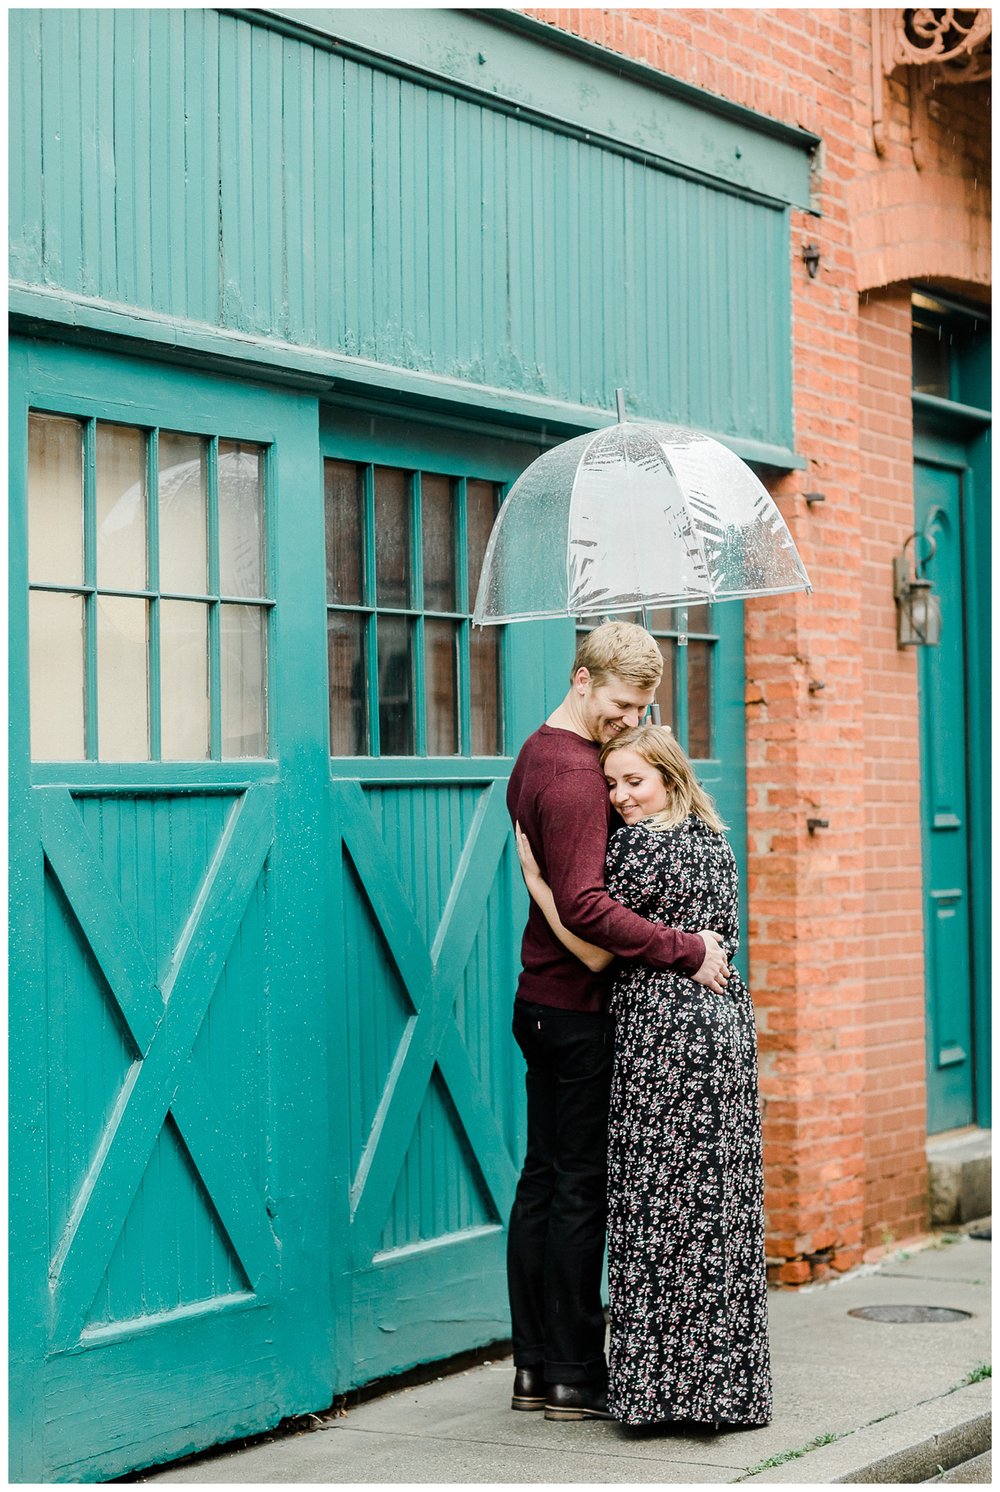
(855, 1401)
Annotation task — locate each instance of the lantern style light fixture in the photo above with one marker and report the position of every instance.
(918, 609)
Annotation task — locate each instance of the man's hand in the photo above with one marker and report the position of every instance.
(714, 971)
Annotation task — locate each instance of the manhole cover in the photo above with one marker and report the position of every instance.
(905, 1315)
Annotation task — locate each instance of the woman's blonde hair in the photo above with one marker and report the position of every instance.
(619, 650)
(685, 794)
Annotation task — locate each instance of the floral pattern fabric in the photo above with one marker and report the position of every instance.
(685, 1178)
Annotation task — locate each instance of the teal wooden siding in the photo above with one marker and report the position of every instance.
(213, 171)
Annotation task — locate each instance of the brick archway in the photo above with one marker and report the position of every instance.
(928, 226)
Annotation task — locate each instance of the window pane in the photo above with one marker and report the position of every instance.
(700, 699)
(243, 639)
(55, 500)
(344, 532)
(241, 519)
(122, 695)
(484, 648)
(121, 507)
(183, 510)
(481, 509)
(662, 621)
(931, 361)
(345, 646)
(437, 519)
(395, 686)
(700, 617)
(184, 723)
(57, 687)
(392, 536)
(665, 693)
(440, 654)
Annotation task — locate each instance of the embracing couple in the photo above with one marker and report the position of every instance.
(643, 1118)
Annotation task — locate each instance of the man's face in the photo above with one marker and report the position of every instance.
(612, 707)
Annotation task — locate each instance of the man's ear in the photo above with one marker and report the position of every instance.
(581, 679)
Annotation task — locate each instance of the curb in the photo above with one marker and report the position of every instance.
(912, 1446)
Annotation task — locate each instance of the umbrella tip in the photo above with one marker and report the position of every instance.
(620, 401)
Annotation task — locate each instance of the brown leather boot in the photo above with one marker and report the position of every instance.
(529, 1389)
(576, 1401)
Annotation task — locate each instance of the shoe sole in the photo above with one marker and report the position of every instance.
(522, 1403)
(551, 1412)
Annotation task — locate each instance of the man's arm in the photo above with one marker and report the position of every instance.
(596, 959)
(573, 828)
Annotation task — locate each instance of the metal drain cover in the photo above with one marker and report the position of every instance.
(905, 1315)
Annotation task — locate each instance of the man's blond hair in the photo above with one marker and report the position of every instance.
(619, 650)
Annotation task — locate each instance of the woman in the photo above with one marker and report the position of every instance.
(685, 1180)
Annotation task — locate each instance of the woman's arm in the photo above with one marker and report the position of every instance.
(595, 958)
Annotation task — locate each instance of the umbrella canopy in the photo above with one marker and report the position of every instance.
(635, 515)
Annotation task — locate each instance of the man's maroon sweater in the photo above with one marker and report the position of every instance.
(558, 795)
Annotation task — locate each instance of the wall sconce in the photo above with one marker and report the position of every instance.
(810, 258)
(918, 609)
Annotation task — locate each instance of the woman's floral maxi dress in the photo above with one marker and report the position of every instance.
(685, 1179)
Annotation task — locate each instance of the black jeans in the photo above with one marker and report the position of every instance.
(555, 1247)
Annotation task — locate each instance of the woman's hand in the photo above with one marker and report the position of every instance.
(529, 865)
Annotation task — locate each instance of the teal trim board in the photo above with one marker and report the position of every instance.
(366, 386)
(514, 60)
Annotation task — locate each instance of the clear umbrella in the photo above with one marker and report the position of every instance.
(629, 517)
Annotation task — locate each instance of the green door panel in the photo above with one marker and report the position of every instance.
(945, 810)
(423, 952)
(167, 962)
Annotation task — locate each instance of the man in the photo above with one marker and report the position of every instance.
(555, 1247)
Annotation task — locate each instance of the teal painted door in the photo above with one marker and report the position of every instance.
(944, 715)
(168, 1066)
(427, 1119)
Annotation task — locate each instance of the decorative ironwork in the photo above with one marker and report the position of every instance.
(955, 42)
(927, 47)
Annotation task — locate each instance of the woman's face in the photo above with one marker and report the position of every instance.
(636, 789)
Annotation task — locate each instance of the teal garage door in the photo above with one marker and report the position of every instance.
(167, 1084)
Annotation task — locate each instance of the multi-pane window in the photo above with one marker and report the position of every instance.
(408, 674)
(147, 571)
(685, 693)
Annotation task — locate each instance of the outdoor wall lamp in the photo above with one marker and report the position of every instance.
(810, 258)
(918, 609)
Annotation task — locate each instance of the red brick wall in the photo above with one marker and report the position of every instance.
(895, 1110)
(835, 930)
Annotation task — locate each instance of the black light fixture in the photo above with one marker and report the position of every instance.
(810, 257)
(918, 609)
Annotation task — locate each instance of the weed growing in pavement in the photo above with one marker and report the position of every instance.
(984, 1370)
(779, 1460)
